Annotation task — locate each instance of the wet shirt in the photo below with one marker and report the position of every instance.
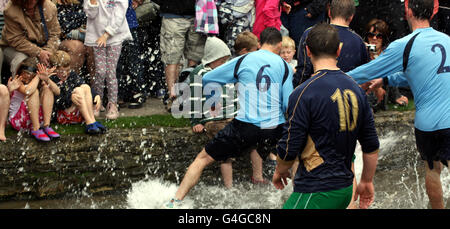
(262, 95)
(427, 74)
(327, 114)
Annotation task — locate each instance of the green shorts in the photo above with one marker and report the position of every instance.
(337, 199)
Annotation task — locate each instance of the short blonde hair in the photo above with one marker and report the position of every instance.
(287, 42)
(60, 59)
(245, 40)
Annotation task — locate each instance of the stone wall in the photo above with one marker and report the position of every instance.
(82, 164)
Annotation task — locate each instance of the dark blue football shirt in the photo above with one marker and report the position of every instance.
(327, 114)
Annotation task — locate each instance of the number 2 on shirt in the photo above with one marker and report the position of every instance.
(442, 68)
(344, 109)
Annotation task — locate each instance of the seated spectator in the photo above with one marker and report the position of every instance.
(4, 105)
(75, 103)
(13, 84)
(236, 17)
(377, 32)
(31, 30)
(288, 51)
(246, 42)
(32, 102)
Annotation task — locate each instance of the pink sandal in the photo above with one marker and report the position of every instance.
(40, 135)
(51, 133)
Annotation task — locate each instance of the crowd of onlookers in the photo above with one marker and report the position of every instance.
(69, 60)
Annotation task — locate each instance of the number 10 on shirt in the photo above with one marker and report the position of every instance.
(342, 100)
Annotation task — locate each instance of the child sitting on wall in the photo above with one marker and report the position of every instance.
(74, 104)
(32, 102)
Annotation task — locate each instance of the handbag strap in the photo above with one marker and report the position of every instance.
(41, 12)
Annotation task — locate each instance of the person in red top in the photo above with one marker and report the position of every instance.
(268, 13)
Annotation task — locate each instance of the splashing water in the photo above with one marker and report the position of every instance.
(155, 193)
(403, 185)
(399, 184)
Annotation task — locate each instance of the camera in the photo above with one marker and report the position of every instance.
(372, 48)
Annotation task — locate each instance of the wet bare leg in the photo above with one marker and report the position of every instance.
(193, 174)
(256, 165)
(433, 185)
(47, 101)
(226, 169)
(33, 104)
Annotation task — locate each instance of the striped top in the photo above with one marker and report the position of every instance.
(200, 111)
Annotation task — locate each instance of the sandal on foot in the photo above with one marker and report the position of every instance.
(50, 132)
(101, 127)
(92, 129)
(40, 135)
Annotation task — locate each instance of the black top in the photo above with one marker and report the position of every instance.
(64, 99)
(179, 7)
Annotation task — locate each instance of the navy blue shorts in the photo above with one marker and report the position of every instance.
(238, 137)
(433, 145)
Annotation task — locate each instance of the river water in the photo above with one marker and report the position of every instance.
(399, 184)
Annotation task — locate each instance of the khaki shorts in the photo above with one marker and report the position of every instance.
(178, 37)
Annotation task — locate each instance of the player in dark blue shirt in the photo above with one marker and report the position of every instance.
(353, 52)
(327, 114)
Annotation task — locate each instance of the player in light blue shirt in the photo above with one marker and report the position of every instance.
(420, 61)
(265, 83)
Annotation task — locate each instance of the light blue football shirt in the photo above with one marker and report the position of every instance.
(427, 74)
(263, 97)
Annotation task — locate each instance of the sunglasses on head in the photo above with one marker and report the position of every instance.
(377, 35)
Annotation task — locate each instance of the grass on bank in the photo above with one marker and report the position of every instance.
(162, 120)
(409, 107)
(122, 122)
